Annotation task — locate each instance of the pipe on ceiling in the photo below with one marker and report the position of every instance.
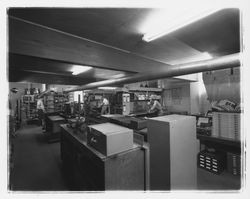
(228, 61)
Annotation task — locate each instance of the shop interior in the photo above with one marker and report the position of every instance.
(131, 99)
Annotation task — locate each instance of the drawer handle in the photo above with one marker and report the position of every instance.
(93, 140)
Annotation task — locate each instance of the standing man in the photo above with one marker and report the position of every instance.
(105, 106)
(40, 111)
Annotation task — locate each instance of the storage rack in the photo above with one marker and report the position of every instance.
(226, 139)
(143, 94)
(54, 102)
(29, 106)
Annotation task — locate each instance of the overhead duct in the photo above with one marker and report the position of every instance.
(228, 61)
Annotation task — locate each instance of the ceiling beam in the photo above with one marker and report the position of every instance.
(22, 62)
(48, 78)
(27, 38)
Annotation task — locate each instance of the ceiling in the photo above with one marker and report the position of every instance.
(35, 69)
(217, 34)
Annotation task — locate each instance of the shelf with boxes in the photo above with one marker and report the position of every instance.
(143, 94)
(224, 141)
(54, 102)
(28, 105)
(226, 125)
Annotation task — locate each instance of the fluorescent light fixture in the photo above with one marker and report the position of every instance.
(107, 88)
(118, 76)
(77, 69)
(167, 21)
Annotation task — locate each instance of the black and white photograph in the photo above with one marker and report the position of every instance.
(142, 99)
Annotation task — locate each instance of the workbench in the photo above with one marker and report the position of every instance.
(86, 169)
(126, 121)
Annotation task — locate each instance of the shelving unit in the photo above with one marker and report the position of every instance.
(226, 139)
(54, 102)
(219, 141)
(143, 94)
(29, 106)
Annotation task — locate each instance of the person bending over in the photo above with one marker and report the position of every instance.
(155, 106)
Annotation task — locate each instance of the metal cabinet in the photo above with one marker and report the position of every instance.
(173, 152)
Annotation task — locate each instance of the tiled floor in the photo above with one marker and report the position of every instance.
(37, 166)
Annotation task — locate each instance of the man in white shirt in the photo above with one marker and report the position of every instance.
(40, 111)
(105, 106)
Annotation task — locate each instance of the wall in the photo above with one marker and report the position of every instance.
(193, 96)
(176, 105)
(203, 100)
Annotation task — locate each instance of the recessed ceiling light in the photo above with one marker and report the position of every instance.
(118, 76)
(107, 88)
(77, 69)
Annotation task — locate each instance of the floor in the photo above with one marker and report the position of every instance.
(37, 166)
(214, 182)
